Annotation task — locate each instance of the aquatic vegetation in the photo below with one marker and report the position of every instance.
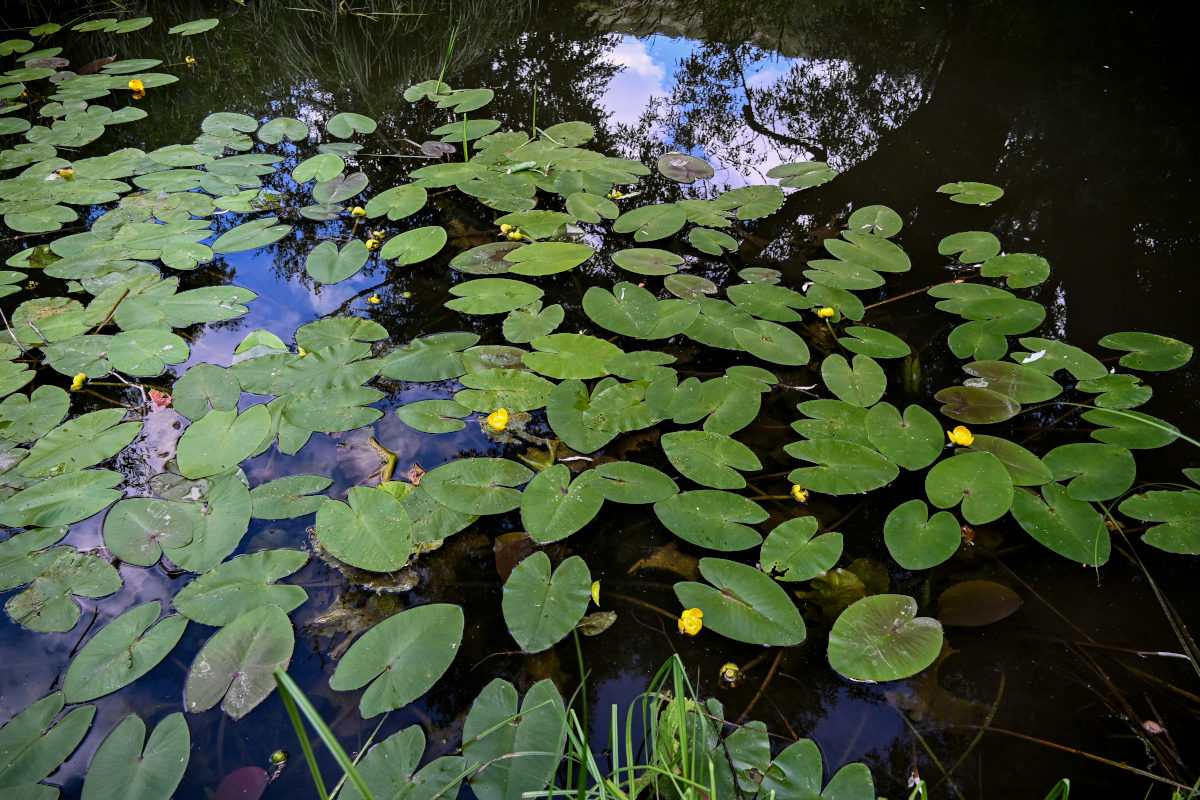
(567, 379)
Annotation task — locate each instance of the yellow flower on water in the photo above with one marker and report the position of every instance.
(380, 235)
(800, 493)
(730, 674)
(505, 228)
(498, 419)
(961, 436)
(516, 234)
(375, 299)
(191, 62)
(825, 313)
(372, 244)
(614, 195)
(67, 173)
(300, 351)
(138, 88)
(78, 382)
(358, 211)
(690, 621)
(596, 592)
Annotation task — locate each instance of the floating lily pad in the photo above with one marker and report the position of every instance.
(881, 638)
(221, 595)
(250, 236)
(712, 519)
(571, 355)
(80, 443)
(36, 745)
(477, 485)
(874, 342)
(519, 747)
(235, 666)
(634, 483)
(793, 552)
(137, 528)
(978, 480)
(913, 441)
(416, 245)
(875, 220)
(743, 604)
(802, 174)
(1019, 270)
(195, 26)
(553, 506)
(1148, 351)
(972, 192)
(121, 652)
(373, 532)
(1095, 471)
(710, 459)
(844, 467)
(1174, 516)
(628, 310)
(541, 608)
(492, 296)
(972, 247)
(1021, 383)
(397, 202)
(647, 261)
(434, 416)
(1117, 391)
(61, 500)
(430, 358)
(346, 124)
(651, 222)
(548, 258)
(220, 440)
(976, 406)
(1130, 429)
(122, 768)
(1023, 467)
(1071, 528)
(918, 541)
(532, 322)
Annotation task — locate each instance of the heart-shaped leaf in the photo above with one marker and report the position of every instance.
(553, 506)
(844, 467)
(917, 541)
(329, 265)
(373, 532)
(712, 519)
(710, 459)
(541, 608)
(235, 666)
(976, 479)
(417, 245)
(1175, 517)
(122, 768)
(793, 551)
(477, 485)
(240, 585)
(492, 296)
(1071, 528)
(121, 652)
(220, 440)
(881, 638)
(137, 528)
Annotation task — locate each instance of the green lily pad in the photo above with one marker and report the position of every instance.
(628, 310)
(1071, 528)
(122, 651)
(913, 441)
(61, 500)
(860, 385)
(235, 666)
(706, 240)
(712, 519)
(224, 593)
(250, 236)
(802, 174)
(976, 406)
(751, 202)
(553, 506)
(773, 342)
(793, 552)
(972, 247)
(978, 480)
(477, 485)
(867, 250)
(541, 608)
(466, 130)
(651, 222)
(434, 416)
(647, 261)
(346, 124)
(1021, 383)
(289, 497)
(1019, 270)
(35, 745)
(486, 259)
(280, 128)
(195, 26)
(1023, 467)
(1130, 429)
(632, 483)
(874, 342)
(430, 358)
(339, 188)
(205, 385)
(743, 604)
(28, 418)
(137, 528)
(1148, 351)
(976, 603)
(322, 167)
(1117, 391)
(918, 541)
(398, 202)
(512, 389)
(1175, 518)
(833, 419)
(1095, 471)
(710, 459)
(401, 657)
(843, 467)
(881, 638)
(548, 258)
(492, 296)
(122, 768)
(373, 532)
(532, 322)
(588, 207)
(220, 440)
(79, 443)
(767, 301)
(875, 220)
(972, 192)
(419, 244)
(571, 355)
(518, 748)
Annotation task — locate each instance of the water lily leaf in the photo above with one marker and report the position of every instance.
(540, 608)
(1095, 471)
(1130, 429)
(1023, 467)
(61, 500)
(844, 467)
(844, 303)
(792, 551)
(802, 174)
(712, 519)
(486, 259)
(220, 515)
(647, 261)
(430, 358)
(976, 406)
(628, 310)
(588, 207)
(972, 192)
(651, 222)
(565, 408)
(571, 355)
(281, 128)
(553, 506)
(122, 768)
(743, 604)
(492, 296)
(1175, 517)
(1148, 351)
(874, 342)
(46, 605)
(675, 317)
(917, 541)
(339, 188)
(137, 528)
(710, 459)
(401, 657)
(774, 342)
(389, 769)
(178, 155)
(861, 385)
(875, 220)
(867, 250)
(688, 287)
(195, 26)
(414, 246)
(34, 745)
(235, 666)
(751, 202)
(881, 638)
(683, 168)
(913, 441)
(1019, 270)
(532, 322)
(767, 301)
(434, 416)
(205, 385)
(1021, 383)
(477, 485)
(250, 235)
(1117, 391)
(121, 652)
(346, 124)
(147, 352)
(28, 418)
(515, 390)
(799, 772)
(976, 479)
(1071, 528)
(329, 265)
(972, 247)
(548, 258)
(519, 749)
(373, 532)
(432, 521)
(220, 440)
(975, 603)
(538, 224)
(224, 593)
(397, 202)
(466, 130)
(80, 443)
(633, 483)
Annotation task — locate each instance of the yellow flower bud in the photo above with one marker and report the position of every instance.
(614, 195)
(800, 493)
(66, 172)
(498, 419)
(961, 436)
(78, 382)
(596, 592)
(375, 299)
(358, 211)
(516, 234)
(372, 244)
(505, 228)
(690, 621)
(730, 674)
(825, 313)
(191, 62)
(136, 85)
(380, 235)
(300, 351)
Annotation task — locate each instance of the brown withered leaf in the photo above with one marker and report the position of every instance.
(669, 558)
(597, 623)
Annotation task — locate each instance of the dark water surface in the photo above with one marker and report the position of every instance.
(1084, 112)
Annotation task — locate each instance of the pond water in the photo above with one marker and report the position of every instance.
(1081, 113)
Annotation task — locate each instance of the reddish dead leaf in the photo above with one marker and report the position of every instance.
(415, 474)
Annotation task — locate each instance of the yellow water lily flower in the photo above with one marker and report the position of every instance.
(138, 88)
(66, 173)
(730, 674)
(961, 436)
(498, 419)
(375, 299)
(800, 493)
(690, 621)
(78, 382)
(516, 234)
(372, 244)
(300, 351)
(358, 211)
(505, 228)
(191, 62)
(825, 313)
(380, 235)
(614, 195)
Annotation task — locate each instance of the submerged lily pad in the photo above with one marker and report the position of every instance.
(975, 603)
(881, 638)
